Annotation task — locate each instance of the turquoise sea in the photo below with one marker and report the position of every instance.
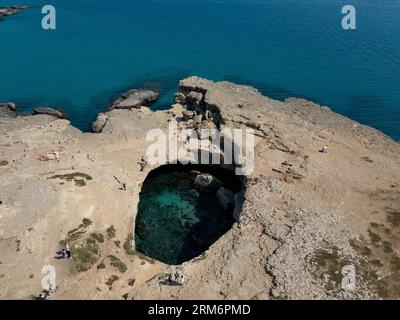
(283, 47)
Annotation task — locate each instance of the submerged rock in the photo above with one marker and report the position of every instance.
(135, 98)
(10, 10)
(50, 112)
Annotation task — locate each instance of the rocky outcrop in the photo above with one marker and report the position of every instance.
(7, 109)
(188, 115)
(49, 111)
(206, 182)
(135, 98)
(180, 98)
(9, 105)
(100, 122)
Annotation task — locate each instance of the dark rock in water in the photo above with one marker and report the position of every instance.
(135, 98)
(50, 112)
(100, 122)
(206, 182)
(225, 198)
(9, 11)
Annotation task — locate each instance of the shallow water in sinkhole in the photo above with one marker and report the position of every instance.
(175, 222)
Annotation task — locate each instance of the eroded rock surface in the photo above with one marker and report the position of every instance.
(304, 215)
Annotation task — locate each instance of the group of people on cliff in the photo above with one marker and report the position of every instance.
(178, 279)
(65, 253)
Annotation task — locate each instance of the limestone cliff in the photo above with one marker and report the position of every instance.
(305, 214)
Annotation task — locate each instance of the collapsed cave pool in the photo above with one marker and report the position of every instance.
(176, 220)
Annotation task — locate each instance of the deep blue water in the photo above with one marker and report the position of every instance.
(283, 47)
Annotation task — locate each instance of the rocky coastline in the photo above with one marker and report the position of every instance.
(304, 214)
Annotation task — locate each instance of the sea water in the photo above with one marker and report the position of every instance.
(282, 47)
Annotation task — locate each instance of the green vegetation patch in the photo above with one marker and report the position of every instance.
(98, 237)
(85, 254)
(360, 247)
(101, 266)
(395, 263)
(79, 178)
(375, 238)
(128, 247)
(393, 217)
(382, 260)
(117, 264)
(143, 257)
(329, 263)
(76, 233)
(111, 232)
(111, 281)
(131, 282)
(128, 244)
(387, 247)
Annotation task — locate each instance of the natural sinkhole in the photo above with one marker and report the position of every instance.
(183, 210)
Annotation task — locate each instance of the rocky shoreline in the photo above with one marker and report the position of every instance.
(306, 214)
(11, 10)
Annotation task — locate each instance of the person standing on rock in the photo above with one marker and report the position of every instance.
(182, 280)
(67, 251)
(170, 281)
